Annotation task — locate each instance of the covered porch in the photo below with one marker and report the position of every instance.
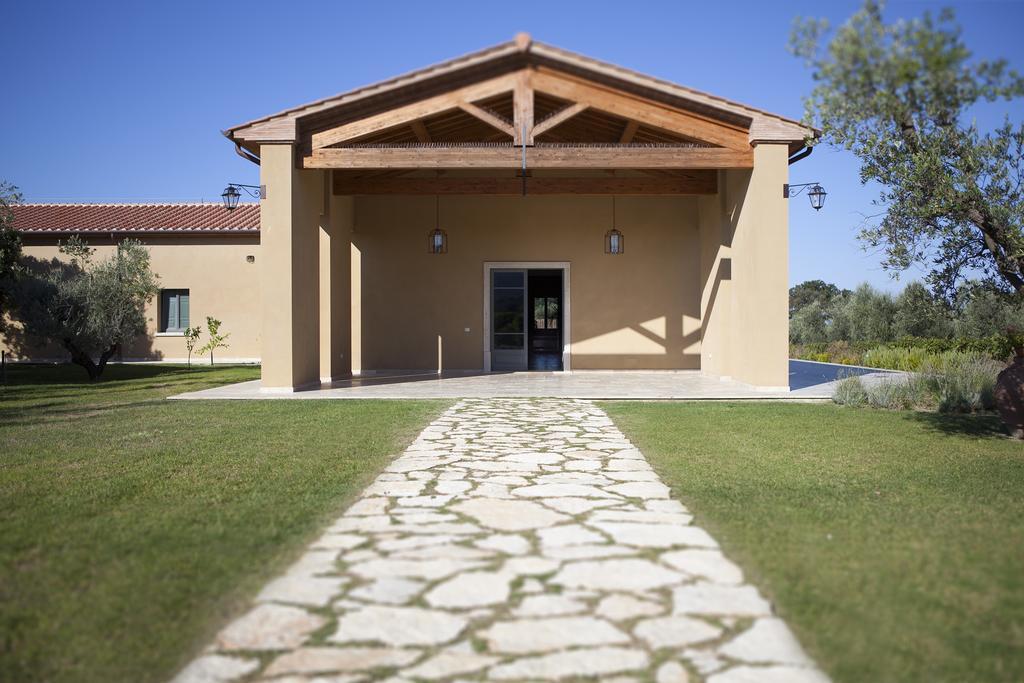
(808, 381)
(457, 220)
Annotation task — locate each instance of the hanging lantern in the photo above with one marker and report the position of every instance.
(230, 196)
(614, 242)
(815, 192)
(817, 196)
(437, 240)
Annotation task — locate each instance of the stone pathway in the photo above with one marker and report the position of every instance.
(514, 540)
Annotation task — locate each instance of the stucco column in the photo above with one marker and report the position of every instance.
(758, 217)
(335, 286)
(289, 246)
(716, 283)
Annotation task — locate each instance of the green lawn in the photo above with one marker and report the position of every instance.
(892, 542)
(131, 526)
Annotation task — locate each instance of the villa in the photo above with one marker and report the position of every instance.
(518, 208)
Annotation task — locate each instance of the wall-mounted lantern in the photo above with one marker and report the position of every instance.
(231, 194)
(816, 193)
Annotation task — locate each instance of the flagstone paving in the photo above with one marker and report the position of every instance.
(514, 540)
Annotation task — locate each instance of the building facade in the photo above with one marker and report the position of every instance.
(518, 208)
(206, 259)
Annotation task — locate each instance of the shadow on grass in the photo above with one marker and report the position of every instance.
(44, 394)
(33, 415)
(976, 425)
(21, 374)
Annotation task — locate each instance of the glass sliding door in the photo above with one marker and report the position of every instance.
(508, 320)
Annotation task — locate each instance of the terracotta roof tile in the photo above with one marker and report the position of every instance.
(136, 218)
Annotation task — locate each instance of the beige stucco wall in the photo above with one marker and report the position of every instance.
(220, 281)
(760, 268)
(640, 309)
(290, 220)
(347, 284)
(335, 284)
(745, 273)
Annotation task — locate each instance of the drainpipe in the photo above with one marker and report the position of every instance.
(245, 154)
(802, 154)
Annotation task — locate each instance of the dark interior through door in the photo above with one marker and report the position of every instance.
(544, 311)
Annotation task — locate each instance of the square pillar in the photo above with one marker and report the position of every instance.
(757, 216)
(289, 246)
(335, 286)
(716, 283)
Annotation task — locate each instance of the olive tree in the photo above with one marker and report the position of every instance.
(10, 242)
(88, 306)
(900, 96)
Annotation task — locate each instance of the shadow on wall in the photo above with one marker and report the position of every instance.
(28, 302)
(638, 310)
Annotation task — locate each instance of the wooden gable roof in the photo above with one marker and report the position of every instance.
(562, 109)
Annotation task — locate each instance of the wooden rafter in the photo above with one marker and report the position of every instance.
(419, 129)
(628, 132)
(697, 183)
(405, 115)
(488, 117)
(638, 109)
(569, 156)
(558, 118)
(652, 119)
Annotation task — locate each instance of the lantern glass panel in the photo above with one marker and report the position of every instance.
(230, 197)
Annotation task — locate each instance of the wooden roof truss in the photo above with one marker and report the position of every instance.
(475, 130)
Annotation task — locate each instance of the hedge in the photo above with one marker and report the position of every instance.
(997, 347)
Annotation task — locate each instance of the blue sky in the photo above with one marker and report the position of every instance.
(125, 101)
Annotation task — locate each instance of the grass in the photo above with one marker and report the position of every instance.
(892, 542)
(131, 526)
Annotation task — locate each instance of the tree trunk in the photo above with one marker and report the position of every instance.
(105, 356)
(1006, 263)
(79, 357)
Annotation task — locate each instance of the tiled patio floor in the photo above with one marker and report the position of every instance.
(808, 381)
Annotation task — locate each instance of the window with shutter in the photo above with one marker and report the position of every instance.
(174, 310)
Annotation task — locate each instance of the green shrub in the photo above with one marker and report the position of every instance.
(890, 394)
(850, 392)
(996, 347)
(895, 358)
(950, 382)
(960, 382)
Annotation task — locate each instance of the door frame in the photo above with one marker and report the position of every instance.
(566, 317)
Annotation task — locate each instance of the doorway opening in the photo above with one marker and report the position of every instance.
(544, 303)
(527, 315)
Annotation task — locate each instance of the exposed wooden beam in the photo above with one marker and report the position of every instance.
(522, 106)
(405, 115)
(647, 112)
(628, 132)
(488, 117)
(419, 129)
(697, 183)
(536, 157)
(558, 118)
